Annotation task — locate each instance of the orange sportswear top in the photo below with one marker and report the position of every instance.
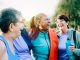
(53, 55)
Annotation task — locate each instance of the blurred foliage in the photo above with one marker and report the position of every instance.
(71, 8)
(53, 25)
(27, 24)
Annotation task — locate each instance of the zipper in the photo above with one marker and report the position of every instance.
(46, 41)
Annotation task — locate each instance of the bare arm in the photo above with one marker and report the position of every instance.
(2, 49)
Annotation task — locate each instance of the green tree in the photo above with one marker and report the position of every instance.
(71, 8)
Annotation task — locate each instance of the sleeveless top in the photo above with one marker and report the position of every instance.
(21, 49)
(11, 56)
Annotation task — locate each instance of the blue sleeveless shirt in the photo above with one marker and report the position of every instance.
(21, 49)
(11, 56)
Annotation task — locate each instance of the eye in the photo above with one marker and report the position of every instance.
(48, 19)
(61, 20)
(22, 21)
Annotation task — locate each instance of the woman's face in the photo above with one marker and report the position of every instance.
(61, 24)
(16, 29)
(44, 22)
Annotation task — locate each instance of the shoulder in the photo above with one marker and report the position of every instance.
(78, 35)
(2, 47)
(52, 30)
(76, 32)
(71, 32)
(24, 31)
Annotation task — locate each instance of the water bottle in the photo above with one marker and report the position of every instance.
(68, 44)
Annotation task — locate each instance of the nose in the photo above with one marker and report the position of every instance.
(49, 22)
(21, 26)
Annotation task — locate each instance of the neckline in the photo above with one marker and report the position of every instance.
(7, 42)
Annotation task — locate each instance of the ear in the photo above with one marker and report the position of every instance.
(67, 23)
(40, 27)
(11, 26)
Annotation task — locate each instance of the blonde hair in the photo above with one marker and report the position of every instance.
(36, 20)
(34, 24)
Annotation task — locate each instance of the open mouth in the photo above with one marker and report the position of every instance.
(60, 25)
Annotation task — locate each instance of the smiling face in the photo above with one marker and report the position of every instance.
(61, 24)
(15, 29)
(44, 22)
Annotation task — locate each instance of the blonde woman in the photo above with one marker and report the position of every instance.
(44, 39)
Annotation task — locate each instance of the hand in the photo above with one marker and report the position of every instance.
(72, 48)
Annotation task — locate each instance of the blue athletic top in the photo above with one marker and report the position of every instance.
(41, 46)
(11, 56)
(21, 49)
